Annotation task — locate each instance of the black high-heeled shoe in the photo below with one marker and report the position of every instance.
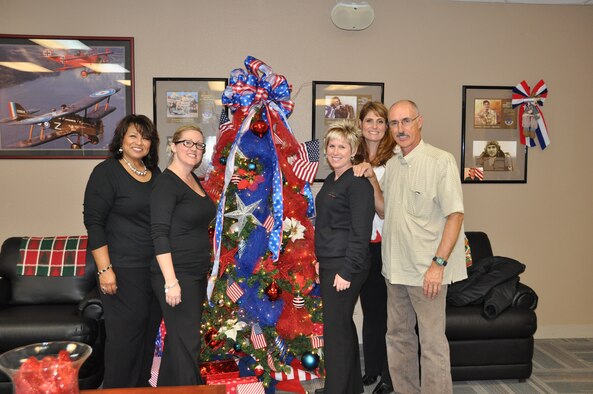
(383, 388)
(367, 380)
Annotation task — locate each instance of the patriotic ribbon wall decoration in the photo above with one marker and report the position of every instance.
(532, 124)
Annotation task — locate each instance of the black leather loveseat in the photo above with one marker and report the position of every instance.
(485, 347)
(36, 308)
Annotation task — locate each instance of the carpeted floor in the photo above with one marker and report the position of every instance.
(559, 366)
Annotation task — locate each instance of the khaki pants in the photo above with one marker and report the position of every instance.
(406, 307)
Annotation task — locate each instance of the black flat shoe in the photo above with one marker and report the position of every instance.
(383, 388)
(319, 391)
(367, 380)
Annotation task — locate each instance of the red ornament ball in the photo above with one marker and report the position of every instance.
(273, 291)
(259, 128)
(259, 370)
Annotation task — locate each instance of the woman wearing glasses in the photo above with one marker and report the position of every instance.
(117, 219)
(180, 215)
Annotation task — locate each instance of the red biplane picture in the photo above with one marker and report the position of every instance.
(80, 59)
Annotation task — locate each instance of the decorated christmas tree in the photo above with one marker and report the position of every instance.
(264, 304)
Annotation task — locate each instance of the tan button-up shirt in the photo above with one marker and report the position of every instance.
(420, 190)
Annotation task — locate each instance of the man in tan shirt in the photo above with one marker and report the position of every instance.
(423, 251)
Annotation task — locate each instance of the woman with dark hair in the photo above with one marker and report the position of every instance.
(342, 233)
(117, 219)
(181, 213)
(376, 148)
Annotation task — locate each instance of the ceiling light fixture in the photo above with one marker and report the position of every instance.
(352, 15)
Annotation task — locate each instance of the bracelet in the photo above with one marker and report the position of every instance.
(104, 270)
(167, 287)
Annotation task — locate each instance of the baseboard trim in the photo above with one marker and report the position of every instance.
(560, 331)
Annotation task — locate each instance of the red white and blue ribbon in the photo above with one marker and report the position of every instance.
(532, 124)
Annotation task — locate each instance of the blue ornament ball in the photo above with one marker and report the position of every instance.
(310, 361)
(237, 347)
(251, 166)
(222, 160)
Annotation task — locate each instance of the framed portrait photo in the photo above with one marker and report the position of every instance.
(188, 101)
(491, 150)
(333, 101)
(62, 96)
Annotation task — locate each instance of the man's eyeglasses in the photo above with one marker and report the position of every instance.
(189, 144)
(405, 122)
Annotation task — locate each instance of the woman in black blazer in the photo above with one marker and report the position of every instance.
(345, 210)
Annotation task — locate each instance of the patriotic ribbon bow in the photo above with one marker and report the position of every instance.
(247, 89)
(532, 124)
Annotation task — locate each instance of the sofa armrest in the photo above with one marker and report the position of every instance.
(91, 306)
(4, 292)
(525, 297)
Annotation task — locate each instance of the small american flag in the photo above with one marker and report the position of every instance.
(307, 161)
(269, 223)
(234, 291)
(317, 341)
(225, 123)
(257, 337)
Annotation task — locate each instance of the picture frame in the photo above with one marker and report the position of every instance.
(185, 101)
(62, 96)
(339, 100)
(491, 150)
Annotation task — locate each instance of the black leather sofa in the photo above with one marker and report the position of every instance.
(52, 308)
(485, 348)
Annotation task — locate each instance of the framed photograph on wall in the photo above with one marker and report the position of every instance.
(188, 101)
(491, 150)
(62, 96)
(339, 100)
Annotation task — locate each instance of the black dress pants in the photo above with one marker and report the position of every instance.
(373, 300)
(132, 318)
(342, 355)
(181, 353)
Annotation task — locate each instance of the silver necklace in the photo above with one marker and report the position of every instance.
(135, 170)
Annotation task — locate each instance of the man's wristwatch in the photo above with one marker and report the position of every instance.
(440, 261)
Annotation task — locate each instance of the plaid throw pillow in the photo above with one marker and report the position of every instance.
(52, 256)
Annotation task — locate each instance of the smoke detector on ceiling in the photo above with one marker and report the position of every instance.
(352, 15)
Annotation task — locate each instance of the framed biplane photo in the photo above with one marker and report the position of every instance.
(62, 97)
(339, 100)
(491, 149)
(188, 101)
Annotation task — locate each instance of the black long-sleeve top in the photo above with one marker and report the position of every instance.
(179, 220)
(345, 211)
(117, 214)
